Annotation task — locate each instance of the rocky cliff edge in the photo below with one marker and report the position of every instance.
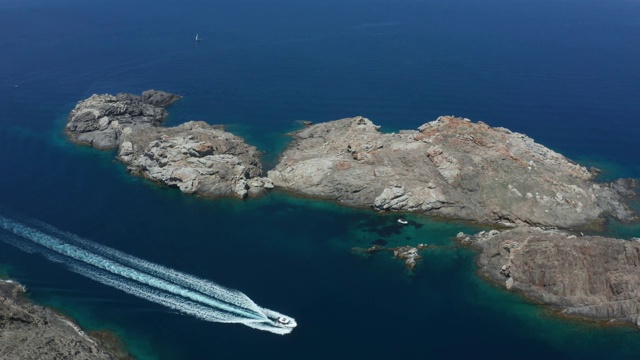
(586, 276)
(33, 332)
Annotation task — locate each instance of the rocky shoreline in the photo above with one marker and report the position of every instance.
(590, 277)
(195, 157)
(30, 331)
(101, 120)
(452, 168)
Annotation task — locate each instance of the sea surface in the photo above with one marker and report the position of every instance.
(565, 72)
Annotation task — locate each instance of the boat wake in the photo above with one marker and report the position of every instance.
(188, 294)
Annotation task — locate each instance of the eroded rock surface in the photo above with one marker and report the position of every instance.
(195, 157)
(28, 331)
(100, 120)
(450, 167)
(587, 276)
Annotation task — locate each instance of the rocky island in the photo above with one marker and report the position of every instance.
(195, 157)
(450, 167)
(33, 332)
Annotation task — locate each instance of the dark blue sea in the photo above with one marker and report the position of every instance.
(565, 72)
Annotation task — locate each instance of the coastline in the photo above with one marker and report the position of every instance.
(586, 277)
(43, 332)
(553, 312)
(451, 168)
(561, 74)
(388, 194)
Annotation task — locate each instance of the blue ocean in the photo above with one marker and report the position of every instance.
(565, 72)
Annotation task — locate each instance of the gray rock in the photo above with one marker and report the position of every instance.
(625, 187)
(195, 157)
(588, 276)
(99, 121)
(508, 283)
(33, 332)
(267, 183)
(408, 254)
(450, 167)
(159, 98)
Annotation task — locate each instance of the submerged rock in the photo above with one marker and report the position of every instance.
(449, 167)
(379, 242)
(33, 332)
(408, 254)
(587, 276)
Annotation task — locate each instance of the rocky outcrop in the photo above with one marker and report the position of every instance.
(195, 157)
(101, 120)
(28, 331)
(587, 276)
(408, 254)
(449, 167)
(159, 98)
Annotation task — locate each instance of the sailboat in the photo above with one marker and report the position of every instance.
(198, 38)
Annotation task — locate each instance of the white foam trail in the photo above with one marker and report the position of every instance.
(190, 281)
(141, 290)
(116, 268)
(168, 300)
(188, 294)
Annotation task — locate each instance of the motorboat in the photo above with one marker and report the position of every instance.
(277, 323)
(403, 221)
(285, 322)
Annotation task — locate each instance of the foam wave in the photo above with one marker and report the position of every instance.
(201, 285)
(176, 290)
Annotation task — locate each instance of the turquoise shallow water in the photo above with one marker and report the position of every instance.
(563, 72)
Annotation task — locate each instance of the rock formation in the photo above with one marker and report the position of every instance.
(29, 331)
(449, 167)
(195, 157)
(408, 254)
(100, 120)
(587, 276)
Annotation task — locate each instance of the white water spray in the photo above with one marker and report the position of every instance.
(180, 291)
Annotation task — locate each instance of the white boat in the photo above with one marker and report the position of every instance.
(285, 322)
(403, 221)
(198, 38)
